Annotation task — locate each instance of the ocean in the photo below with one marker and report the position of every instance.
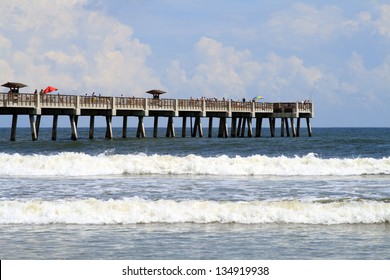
(320, 197)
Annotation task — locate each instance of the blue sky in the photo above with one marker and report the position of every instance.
(336, 53)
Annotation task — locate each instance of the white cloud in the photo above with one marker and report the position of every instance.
(307, 20)
(382, 24)
(221, 71)
(65, 44)
(370, 84)
(301, 25)
(224, 71)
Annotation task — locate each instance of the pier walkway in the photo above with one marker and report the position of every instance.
(241, 113)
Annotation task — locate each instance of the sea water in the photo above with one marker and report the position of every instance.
(320, 197)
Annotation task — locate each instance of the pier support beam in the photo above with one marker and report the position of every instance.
(308, 127)
(54, 128)
(184, 127)
(249, 121)
(298, 126)
(287, 127)
(109, 127)
(124, 127)
(223, 130)
(141, 128)
(13, 128)
(210, 127)
(242, 133)
(33, 129)
(170, 128)
(239, 127)
(91, 126)
(259, 123)
(234, 127)
(38, 124)
(191, 128)
(73, 125)
(197, 128)
(272, 126)
(155, 126)
(292, 127)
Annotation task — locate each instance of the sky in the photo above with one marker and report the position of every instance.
(335, 53)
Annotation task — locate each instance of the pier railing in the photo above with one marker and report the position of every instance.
(134, 103)
(161, 104)
(190, 104)
(56, 101)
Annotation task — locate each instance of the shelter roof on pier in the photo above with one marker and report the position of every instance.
(156, 93)
(13, 86)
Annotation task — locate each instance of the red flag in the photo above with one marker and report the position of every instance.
(50, 89)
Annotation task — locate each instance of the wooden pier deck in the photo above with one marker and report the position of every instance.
(75, 106)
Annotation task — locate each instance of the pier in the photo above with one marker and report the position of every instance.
(241, 114)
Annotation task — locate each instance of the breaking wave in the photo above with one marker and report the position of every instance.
(81, 164)
(136, 210)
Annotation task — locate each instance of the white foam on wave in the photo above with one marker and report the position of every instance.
(80, 164)
(137, 210)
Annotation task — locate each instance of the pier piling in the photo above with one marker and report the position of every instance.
(124, 127)
(73, 125)
(54, 128)
(91, 126)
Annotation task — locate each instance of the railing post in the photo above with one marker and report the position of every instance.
(176, 107)
(38, 109)
(203, 107)
(146, 107)
(311, 108)
(77, 105)
(113, 106)
(230, 108)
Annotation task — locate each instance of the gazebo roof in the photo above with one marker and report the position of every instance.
(13, 85)
(156, 91)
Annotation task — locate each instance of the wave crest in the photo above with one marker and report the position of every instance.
(136, 210)
(80, 164)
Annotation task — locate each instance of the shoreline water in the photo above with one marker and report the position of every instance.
(325, 197)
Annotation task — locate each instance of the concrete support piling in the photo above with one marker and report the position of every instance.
(33, 129)
(124, 127)
(38, 124)
(109, 134)
(292, 127)
(13, 128)
(287, 127)
(210, 127)
(234, 127)
(54, 128)
(184, 127)
(155, 126)
(91, 126)
(242, 134)
(298, 126)
(73, 126)
(259, 122)
(250, 132)
(170, 128)
(272, 126)
(223, 129)
(197, 127)
(308, 127)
